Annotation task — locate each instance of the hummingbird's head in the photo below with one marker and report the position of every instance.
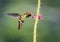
(28, 14)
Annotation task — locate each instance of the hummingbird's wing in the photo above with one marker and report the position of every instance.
(14, 14)
(19, 24)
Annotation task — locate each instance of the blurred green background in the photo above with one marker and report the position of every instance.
(48, 29)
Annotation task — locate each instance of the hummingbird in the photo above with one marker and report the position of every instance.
(21, 18)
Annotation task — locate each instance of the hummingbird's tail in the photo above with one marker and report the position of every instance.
(19, 25)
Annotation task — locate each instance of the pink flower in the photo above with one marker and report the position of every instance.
(39, 16)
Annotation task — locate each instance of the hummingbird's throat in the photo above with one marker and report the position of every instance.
(21, 21)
